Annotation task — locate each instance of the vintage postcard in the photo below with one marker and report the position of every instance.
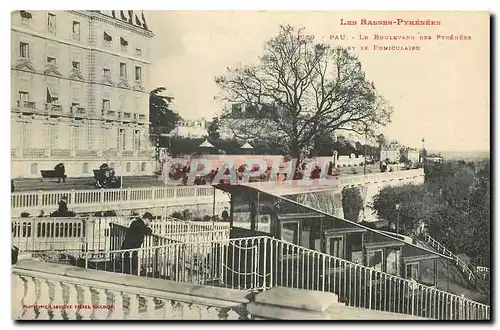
(239, 165)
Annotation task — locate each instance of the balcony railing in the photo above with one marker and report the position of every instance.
(76, 110)
(86, 153)
(67, 293)
(13, 152)
(110, 114)
(123, 48)
(53, 108)
(60, 153)
(26, 105)
(107, 43)
(34, 152)
(76, 36)
(51, 29)
(128, 153)
(144, 153)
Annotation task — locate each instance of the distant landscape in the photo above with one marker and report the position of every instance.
(466, 155)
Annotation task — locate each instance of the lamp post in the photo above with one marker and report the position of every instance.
(120, 150)
(397, 220)
(364, 161)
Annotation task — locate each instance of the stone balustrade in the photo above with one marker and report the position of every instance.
(44, 291)
(137, 198)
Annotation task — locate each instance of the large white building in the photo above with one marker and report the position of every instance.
(192, 128)
(79, 92)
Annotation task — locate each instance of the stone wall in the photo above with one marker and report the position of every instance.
(43, 291)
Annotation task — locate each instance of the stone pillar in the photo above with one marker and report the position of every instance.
(280, 303)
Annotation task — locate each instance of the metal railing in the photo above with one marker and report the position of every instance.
(260, 263)
(443, 250)
(96, 233)
(80, 198)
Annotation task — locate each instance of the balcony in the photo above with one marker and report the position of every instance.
(34, 152)
(60, 153)
(128, 153)
(76, 36)
(107, 43)
(86, 153)
(26, 105)
(51, 29)
(123, 48)
(110, 114)
(127, 116)
(77, 111)
(53, 108)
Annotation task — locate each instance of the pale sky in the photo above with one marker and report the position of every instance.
(440, 92)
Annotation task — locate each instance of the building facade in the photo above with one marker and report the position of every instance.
(79, 92)
(192, 128)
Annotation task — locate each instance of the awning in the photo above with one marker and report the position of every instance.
(206, 144)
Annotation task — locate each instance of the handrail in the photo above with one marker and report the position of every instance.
(262, 262)
(440, 247)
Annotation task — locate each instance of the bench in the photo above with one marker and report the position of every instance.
(50, 174)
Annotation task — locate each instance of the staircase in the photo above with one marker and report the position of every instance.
(471, 275)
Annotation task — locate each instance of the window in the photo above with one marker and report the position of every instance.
(413, 271)
(123, 140)
(122, 102)
(24, 96)
(137, 140)
(85, 168)
(138, 73)
(52, 95)
(106, 104)
(123, 70)
(123, 44)
(107, 39)
(138, 51)
(375, 259)
(51, 61)
(24, 50)
(34, 169)
(393, 261)
(107, 72)
(76, 66)
(51, 23)
(76, 30)
(143, 167)
(127, 169)
(90, 141)
(25, 17)
(336, 246)
(290, 232)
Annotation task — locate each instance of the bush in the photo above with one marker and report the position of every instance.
(352, 203)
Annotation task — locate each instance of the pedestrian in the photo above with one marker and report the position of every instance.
(14, 255)
(62, 210)
(134, 238)
(225, 215)
(61, 172)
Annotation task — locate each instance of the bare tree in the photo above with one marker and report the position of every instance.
(300, 90)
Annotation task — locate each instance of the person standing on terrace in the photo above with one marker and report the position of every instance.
(134, 238)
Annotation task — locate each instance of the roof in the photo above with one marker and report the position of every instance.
(133, 17)
(206, 144)
(247, 146)
(246, 187)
